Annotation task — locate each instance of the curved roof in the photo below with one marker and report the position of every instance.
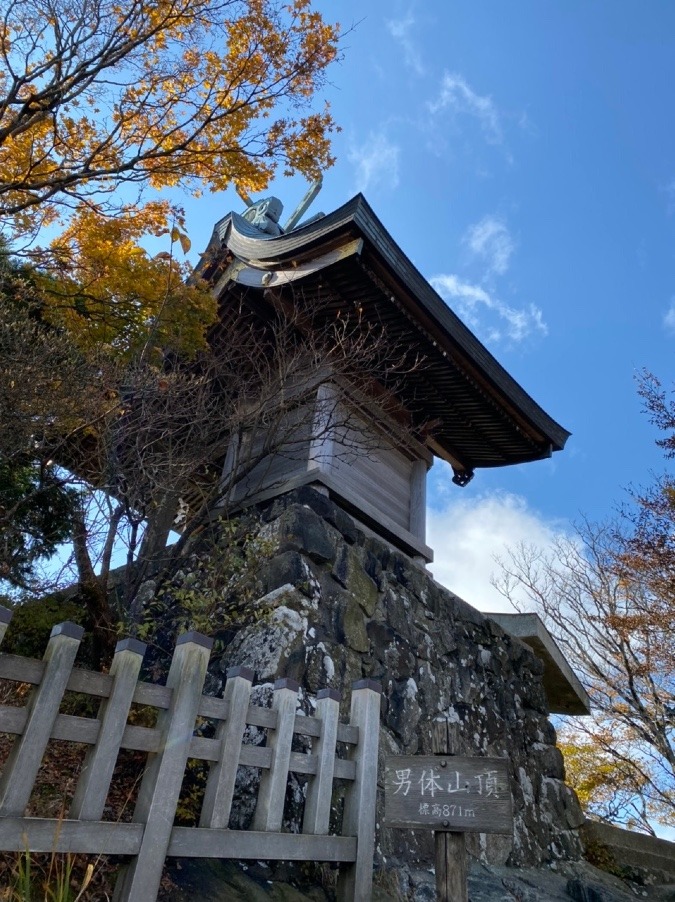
(476, 414)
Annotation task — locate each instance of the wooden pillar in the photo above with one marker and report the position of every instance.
(322, 439)
(451, 858)
(223, 773)
(99, 763)
(25, 758)
(418, 500)
(269, 812)
(320, 790)
(160, 788)
(355, 881)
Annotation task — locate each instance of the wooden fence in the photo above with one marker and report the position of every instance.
(152, 836)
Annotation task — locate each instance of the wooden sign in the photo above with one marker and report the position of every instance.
(443, 792)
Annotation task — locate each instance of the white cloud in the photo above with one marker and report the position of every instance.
(467, 534)
(457, 95)
(376, 162)
(491, 241)
(669, 318)
(401, 31)
(483, 311)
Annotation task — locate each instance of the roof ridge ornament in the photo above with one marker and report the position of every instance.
(304, 205)
(265, 214)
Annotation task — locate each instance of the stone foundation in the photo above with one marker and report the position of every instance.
(338, 605)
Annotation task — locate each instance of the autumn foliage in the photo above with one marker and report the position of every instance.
(96, 95)
(607, 594)
(108, 108)
(112, 401)
(107, 291)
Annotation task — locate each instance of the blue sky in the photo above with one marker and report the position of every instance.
(523, 156)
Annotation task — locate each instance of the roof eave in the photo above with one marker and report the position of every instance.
(356, 216)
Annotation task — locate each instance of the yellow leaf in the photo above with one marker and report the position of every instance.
(182, 238)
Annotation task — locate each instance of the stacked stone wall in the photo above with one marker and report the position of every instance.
(338, 605)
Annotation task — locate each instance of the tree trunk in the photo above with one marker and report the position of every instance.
(94, 594)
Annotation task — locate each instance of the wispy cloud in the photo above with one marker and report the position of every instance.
(458, 96)
(490, 241)
(669, 318)
(467, 534)
(482, 311)
(376, 162)
(401, 30)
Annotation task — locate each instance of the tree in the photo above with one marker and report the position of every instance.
(650, 548)
(190, 439)
(605, 786)
(100, 286)
(36, 516)
(147, 441)
(102, 107)
(620, 639)
(39, 379)
(607, 594)
(96, 96)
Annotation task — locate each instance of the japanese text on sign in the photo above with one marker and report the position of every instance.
(448, 793)
(432, 783)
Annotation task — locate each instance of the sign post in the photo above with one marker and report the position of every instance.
(450, 859)
(450, 795)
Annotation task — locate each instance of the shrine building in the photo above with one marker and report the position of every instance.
(459, 403)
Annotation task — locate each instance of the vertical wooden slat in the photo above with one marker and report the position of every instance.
(223, 773)
(320, 791)
(269, 810)
(161, 784)
(99, 763)
(355, 881)
(5, 617)
(24, 760)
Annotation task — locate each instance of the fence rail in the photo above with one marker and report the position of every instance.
(152, 836)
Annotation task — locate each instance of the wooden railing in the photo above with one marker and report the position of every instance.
(152, 836)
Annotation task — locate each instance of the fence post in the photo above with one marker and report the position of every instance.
(355, 881)
(320, 791)
(223, 773)
(5, 616)
(269, 812)
(99, 763)
(160, 788)
(24, 760)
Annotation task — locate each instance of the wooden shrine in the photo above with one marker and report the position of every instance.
(461, 404)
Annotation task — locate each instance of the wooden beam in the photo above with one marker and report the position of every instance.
(320, 789)
(41, 834)
(191, 842)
